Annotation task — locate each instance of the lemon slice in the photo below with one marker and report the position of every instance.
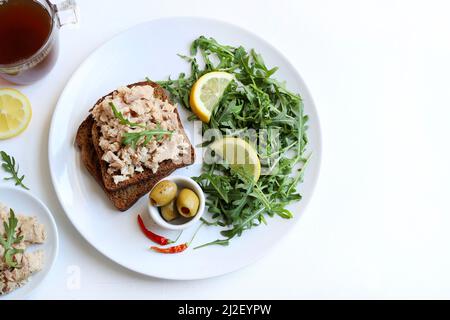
(15, 113)
(207, 92)
(240, 155)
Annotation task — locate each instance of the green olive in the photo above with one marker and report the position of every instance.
(164, 192)
(187, 203)
(168, 212)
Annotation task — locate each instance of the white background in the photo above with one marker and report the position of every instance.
(378, 225)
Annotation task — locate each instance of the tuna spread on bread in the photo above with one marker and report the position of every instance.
(140, 106)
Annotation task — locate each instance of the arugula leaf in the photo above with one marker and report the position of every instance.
(133, 138)
(256, 100)
(10, 166)
(220, 242)
(9, 239)
(122, 119)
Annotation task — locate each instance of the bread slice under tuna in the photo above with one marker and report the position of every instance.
(124, 198)
(164, 167)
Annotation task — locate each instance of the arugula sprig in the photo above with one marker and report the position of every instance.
(122, 119)
(144, 137)
(256, 100)
(9, 165)
(10, 239)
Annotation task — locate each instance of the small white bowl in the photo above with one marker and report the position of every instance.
(179, 223)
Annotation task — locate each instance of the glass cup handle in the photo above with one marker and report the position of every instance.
(66, 11)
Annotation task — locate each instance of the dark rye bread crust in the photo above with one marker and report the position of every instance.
(122, 199)
(147, 174)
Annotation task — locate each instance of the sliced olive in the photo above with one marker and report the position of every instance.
(187, 203)
(168, 212)
(164, 192)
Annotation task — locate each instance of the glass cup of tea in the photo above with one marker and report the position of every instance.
(29, 37)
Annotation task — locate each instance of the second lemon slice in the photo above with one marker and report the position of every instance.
(15, 113)
(207, 92)
(240, 155)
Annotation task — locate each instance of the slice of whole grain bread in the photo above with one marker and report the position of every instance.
(147, 174)
(124, 198)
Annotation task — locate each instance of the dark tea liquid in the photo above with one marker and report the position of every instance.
(25, 27)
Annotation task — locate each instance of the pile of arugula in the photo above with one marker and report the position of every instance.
(255, 100)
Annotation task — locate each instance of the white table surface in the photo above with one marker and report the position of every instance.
(379, 223)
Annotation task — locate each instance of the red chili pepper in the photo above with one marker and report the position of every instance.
(175, 249)
(179, 248)
(153, 236)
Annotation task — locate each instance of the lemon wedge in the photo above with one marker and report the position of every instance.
(240, 155)
(15, 113)
(207, 92)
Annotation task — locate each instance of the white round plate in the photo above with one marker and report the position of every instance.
(150, 50)
(24, 203)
